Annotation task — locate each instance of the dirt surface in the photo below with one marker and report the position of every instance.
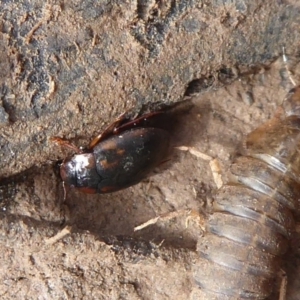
(68, 69)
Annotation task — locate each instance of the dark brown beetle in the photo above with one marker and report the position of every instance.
(124, 154)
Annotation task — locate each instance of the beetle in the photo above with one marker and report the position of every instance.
(122, 155)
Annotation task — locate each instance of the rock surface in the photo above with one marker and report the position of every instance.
(68, 69)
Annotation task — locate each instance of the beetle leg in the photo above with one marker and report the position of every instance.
(65, 191)
(283, 285)
(141, 120)
(195, 152)
(213, 163)
(136, 122)
(121, 124)
(108, 131)
(189, 214)
(61, 234)
(65, 143)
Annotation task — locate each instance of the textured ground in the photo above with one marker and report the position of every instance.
(68, 69)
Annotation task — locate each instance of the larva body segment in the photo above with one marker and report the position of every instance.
(253, 216)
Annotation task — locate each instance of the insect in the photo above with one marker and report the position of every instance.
(124, 154)
(253, 215)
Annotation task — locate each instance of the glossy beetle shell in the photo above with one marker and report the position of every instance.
(125, 152)
(117, 162)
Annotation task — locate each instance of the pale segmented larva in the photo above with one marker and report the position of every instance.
(253, 217)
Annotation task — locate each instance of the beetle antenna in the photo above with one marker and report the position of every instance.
(66, 144)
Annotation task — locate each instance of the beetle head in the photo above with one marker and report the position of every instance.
(80, 172)
(68, 172)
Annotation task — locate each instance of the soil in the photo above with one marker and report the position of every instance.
(68, 69)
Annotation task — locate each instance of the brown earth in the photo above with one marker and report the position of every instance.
(68, 69)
